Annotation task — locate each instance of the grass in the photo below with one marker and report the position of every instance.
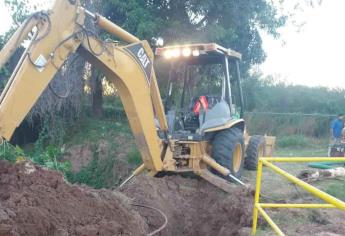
(293, 141)
(298, 145)
(99, 173)
(278, 188)
(92, 130)
(134, 157)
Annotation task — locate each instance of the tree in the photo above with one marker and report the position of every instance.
(96, 76)
(231, 23)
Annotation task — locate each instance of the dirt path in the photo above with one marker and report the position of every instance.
(35, 201)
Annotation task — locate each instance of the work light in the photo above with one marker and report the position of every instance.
(186, 52)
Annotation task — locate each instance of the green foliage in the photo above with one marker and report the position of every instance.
(19, 10)
(293, 141)
(268, 94)
(45, 155)
(10, 153)
(97, 174)
(266, 98)
(100, 172)
(134, 157)
(48, 157)
(95, 129)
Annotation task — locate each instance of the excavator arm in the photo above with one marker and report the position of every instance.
(62, 32)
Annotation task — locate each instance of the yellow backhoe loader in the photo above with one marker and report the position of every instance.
(211, 132)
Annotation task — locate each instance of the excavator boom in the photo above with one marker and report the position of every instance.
(62, 32)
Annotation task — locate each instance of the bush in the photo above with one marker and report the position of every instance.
(293, 141)
(11, 153)
(48, 157)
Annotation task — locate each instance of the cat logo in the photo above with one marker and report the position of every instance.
(140, 55)
(144, 59)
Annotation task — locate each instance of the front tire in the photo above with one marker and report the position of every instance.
(228, 150)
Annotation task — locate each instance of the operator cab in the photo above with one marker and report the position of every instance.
(203, 89)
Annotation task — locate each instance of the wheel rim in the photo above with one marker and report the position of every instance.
(237, 157)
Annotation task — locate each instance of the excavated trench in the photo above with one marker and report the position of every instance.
(36, 201)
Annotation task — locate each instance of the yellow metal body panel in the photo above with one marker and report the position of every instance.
(27, 84)
(16, 39)
(110, 27)
(331, 202)
(123, 71)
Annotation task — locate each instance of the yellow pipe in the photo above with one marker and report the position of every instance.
(324, 196)
(116, 30)
(139, 170)
(211, 162)
(270, 221)
(257, 197)
(302, 205)
(136, 172)
(303, 159)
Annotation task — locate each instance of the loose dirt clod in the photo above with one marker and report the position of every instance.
(36, 201)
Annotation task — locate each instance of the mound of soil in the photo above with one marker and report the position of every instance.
(192, 205)
(36, 201)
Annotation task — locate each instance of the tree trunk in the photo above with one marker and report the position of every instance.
(96, 93)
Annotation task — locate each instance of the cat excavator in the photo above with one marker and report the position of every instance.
(206, 138)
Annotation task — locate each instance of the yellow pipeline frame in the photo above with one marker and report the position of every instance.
(332, 202)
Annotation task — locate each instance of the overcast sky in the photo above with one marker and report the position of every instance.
(315, 55)
(312, 55)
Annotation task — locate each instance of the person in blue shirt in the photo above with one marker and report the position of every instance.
(337, 126)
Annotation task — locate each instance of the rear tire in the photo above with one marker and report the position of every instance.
(228, 150)
(255, 150)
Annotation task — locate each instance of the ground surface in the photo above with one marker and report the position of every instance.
(35, 201)
(275, 189)
(193, 206)
(41, 203)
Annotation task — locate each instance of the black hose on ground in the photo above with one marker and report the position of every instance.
(157, 210)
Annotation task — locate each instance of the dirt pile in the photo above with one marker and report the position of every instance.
(192, 206)
(36, 201)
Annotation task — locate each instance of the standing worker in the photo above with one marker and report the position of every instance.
(337, 126)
